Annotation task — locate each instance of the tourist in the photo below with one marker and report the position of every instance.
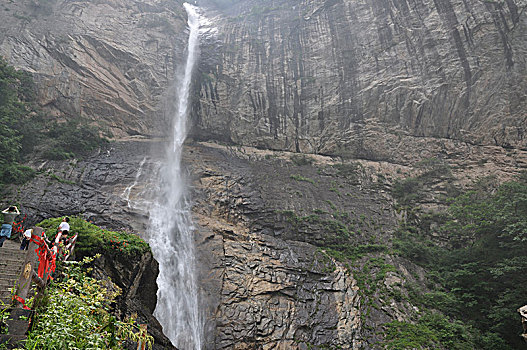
(25, 239)
(64, 227)
(9, 217)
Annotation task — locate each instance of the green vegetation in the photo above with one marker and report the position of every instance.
(407, 191)
(92, 239)
(25, 130)
(349, 252)
(348, 170)
(76, 314)
(59, 179)
(477, 276)
(334, 230)
(15, 92)
(72, 139)
(431, 330)
(301, 178)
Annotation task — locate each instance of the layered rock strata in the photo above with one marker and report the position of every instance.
(338, 76)
(111, 62)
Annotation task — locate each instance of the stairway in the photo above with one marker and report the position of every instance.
(11, 265)
(11, 261)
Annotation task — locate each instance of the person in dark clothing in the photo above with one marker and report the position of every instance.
(9, 217)
(25, 239)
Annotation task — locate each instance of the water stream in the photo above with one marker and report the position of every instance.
(171, 229)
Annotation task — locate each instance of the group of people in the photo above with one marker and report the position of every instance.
(10, 215)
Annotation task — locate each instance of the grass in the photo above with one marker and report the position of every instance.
(301, 178)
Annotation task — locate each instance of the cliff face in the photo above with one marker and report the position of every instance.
(339, 77)
(370, 87)
(108, 61)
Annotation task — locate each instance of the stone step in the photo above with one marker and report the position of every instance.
(5, 258)
(11, 244)
(6, 284)
(10, 260)
(12, 256)
(12, 251)
(9, 276)
(11, 263)
(6, 262)
(10, 273)
(6, 297)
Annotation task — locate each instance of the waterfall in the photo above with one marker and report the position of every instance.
(170, 234)
(128, 190)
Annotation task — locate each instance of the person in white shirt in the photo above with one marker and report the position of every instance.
(64, 227)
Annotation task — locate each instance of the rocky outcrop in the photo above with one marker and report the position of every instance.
(136, 278)
(268, 224)
(363, 79)
(267, 277)
(265, 234)
(100, 188)
(372, 89)
(111, 62)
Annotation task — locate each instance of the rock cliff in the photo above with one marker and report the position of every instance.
(305, 113)
(364, 78)
(108, 61)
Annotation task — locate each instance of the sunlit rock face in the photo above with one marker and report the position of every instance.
(108, 61)
(360, 78)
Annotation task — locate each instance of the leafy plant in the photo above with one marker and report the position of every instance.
(301, 178)
(476, 274)
(15, 94)
(73, 138)
(77, 315)
(93, 239)
(26, 131)
(432, 330)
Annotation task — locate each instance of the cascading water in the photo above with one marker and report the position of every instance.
(171, 231)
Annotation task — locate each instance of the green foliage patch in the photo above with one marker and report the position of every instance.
(71, 139)
(409, 190)
(432, 330)
(15, 122)
(76, 314)
(298, 177)
(93, 239)
(476, 276)
(25, 130)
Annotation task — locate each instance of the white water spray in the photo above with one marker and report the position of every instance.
(128, 190)
(171, 229)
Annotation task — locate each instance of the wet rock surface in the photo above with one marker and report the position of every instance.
(264, 222)
(111, 62)
(338, 77)
(137, 281)
(102, 188)
(375, 90)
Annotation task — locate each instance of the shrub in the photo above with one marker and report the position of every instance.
(76, 315)
(432, 330)
(93, 239)
(301, 159)
(72, 138)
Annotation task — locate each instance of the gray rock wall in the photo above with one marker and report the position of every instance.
(111, 62)
(395, 82)
(331, 76)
